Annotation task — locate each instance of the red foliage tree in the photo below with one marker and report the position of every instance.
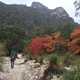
(74, 43)
(45, 43)
(35, 47)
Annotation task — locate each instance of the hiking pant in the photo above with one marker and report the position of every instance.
(12, 62)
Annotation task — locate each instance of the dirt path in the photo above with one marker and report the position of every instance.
(27, 71)
(17, 73)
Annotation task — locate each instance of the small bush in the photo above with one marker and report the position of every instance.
(68, 59)
(72, 75)
(54, 58)
(3, 51)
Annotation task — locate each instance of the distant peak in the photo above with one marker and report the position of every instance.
(38, 5)
(60, 12)
(60, 9)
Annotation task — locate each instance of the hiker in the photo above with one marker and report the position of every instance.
(13, 56)
(14, 48)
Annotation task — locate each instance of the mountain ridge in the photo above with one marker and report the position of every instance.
(37, 17)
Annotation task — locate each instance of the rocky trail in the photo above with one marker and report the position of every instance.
(17, 72)
(27, 71)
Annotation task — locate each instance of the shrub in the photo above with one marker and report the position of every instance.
(54, 58)
(68, 59)
(3, 51)
(72, 75)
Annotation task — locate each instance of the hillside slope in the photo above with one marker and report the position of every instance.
(35, 18)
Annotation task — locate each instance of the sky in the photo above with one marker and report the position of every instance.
(66, 4)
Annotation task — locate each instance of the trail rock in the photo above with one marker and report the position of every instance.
(3, 76)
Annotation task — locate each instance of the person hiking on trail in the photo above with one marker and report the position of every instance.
(14, 48)
(13, 57)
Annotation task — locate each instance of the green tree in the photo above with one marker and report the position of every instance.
(8, 33)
